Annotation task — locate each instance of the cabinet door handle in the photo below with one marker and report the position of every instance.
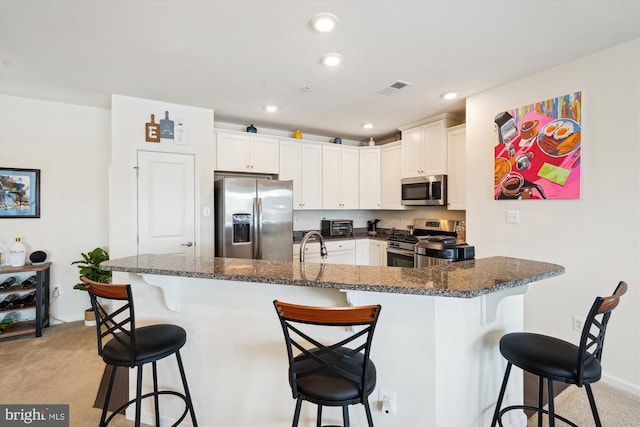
(188, 244)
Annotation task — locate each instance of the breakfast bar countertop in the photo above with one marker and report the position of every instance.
(465, 279)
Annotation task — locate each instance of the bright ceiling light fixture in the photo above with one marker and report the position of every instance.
(271, 108)
(450, 95)
(367, 125)
(331, 59)
(324, 22)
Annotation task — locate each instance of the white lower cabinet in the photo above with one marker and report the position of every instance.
(362, 252)
(352, 252)
(371, 252)
(338, 252)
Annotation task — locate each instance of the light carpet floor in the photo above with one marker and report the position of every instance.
(63, 367)
(617, 408)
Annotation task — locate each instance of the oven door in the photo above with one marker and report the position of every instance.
(399, 258)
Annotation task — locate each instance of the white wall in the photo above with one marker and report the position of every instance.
(128, 118)
(597, 237)
(70, 146)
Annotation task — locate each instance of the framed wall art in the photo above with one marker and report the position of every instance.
(538, 149)
(19, 193)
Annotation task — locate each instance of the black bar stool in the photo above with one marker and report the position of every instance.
(134, 347)
(557, 360)
(330, 374)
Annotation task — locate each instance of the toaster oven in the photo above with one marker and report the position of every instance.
(336, 227)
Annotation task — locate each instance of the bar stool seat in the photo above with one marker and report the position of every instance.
(152, 343)
(128, 346)
(547, 356)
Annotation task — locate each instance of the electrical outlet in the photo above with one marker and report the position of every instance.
(388, 401)
(578, 323)
(56, 291)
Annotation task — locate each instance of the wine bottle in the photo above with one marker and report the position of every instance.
(8, 282)
(7, 303)
(18, 301)
(29, 282)
(29, 300)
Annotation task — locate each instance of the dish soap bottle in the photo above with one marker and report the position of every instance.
(18, 253)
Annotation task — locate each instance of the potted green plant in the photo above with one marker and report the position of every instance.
(89, 267)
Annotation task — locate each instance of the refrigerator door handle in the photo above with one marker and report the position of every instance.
(257, 228)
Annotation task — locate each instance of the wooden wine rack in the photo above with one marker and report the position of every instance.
(41, 320)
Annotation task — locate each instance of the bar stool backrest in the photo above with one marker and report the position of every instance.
(595, 327)
(293, 317)
(118, 325)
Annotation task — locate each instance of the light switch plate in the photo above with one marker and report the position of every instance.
(512, 217)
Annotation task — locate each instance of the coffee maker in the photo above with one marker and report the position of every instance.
(372, 227)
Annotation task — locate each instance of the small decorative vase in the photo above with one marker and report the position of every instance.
(371, 142)
(297, 134)
(251, 128)
(337, 140)
(89, 317)
(18, 253)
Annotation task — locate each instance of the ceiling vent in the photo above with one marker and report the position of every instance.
(393, 87)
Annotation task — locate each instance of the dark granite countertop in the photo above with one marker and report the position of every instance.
(466, 279)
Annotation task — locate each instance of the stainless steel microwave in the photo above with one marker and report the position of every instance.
(424, 191)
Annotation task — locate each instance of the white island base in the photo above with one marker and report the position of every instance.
(438, 354)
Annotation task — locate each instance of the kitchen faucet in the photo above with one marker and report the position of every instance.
(318, 236)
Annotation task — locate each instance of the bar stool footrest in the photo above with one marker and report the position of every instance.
(532, 408)
(144, 396)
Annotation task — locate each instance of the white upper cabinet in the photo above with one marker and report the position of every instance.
(302, 163)
(340, 175)
(424, 148)
(390, 176)
(370, 178)
(246, 152)
(456, 185)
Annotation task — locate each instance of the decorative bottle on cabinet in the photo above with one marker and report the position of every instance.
(17, 253)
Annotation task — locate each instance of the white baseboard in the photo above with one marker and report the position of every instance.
(621, 384)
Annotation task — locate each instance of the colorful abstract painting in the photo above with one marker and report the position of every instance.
(537, 150)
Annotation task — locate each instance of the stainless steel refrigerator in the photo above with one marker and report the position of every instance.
(254, 218)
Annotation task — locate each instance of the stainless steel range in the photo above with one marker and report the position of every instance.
(432, 242)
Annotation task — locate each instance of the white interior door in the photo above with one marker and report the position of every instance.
(166, 203)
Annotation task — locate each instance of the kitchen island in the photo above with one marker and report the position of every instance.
(435, 343)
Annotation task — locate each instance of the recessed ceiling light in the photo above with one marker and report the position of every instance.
(271, 108)
(331, 59)
(367, 125)
(324, 22)
(449, 95)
